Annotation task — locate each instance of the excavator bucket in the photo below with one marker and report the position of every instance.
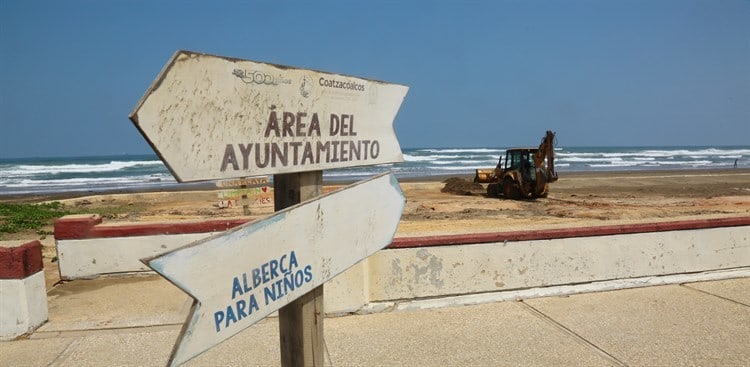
(484, 176)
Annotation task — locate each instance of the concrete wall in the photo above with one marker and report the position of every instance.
(440, 266)
(23, 293)
(87, 249)
(490, 267)
(89, 258)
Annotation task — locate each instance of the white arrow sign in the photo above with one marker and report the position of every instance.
(239, 277)
(211, 117)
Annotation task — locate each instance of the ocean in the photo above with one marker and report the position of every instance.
(29, 176)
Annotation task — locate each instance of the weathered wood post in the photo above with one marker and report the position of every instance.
(301, 321)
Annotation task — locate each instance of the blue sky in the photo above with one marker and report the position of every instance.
(481, 73)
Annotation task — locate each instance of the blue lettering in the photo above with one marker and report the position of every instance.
(299, 278)
(281, 265)
(256, 278)
(269, 294)
(289, 281)
(241, 309)
(253, 304)
(236, 288)
(293, 260)
(274, 267)
(230, 317)
(218, 318)
(264, 271)
(245, 284)
(280, 290)
(308, 273)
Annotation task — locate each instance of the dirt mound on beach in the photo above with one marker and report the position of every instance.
(461, 186)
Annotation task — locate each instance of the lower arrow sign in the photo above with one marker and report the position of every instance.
(240, 276)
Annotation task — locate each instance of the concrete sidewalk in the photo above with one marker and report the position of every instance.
(135, 321)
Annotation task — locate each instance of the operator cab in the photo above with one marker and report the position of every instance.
(522, 160)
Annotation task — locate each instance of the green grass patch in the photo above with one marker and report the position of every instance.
(29, 217)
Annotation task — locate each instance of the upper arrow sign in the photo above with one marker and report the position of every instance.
(240, 276)
(211, 117)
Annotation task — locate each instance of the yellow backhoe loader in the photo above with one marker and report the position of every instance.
(524, 174)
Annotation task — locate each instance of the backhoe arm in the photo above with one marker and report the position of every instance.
(547, 151)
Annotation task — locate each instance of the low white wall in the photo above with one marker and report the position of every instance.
(23, 305)
(466, 269)
(425, 272)
(89, 258)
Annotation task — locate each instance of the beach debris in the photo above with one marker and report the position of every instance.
(461, 186)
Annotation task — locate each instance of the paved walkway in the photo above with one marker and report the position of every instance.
(135, 321)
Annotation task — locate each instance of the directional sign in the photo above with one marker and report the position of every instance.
(239, 277)
(211, 117)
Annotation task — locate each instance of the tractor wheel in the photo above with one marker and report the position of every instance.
(510, 189)
(493, 190)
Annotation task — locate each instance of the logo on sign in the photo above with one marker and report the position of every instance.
(259, 77)
(305, 88)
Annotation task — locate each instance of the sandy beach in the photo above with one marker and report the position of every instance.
(575, 200)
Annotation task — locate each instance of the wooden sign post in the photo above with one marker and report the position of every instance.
(301, 321)
(211, 117)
